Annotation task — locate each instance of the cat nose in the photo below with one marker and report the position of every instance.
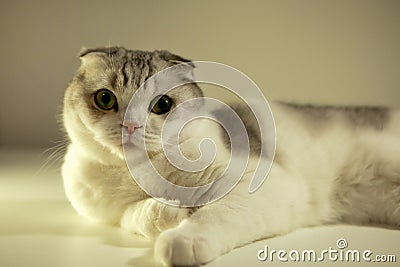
(130, 126)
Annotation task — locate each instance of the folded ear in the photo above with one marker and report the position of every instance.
(172, 58)
(95, 58)
(102, 51)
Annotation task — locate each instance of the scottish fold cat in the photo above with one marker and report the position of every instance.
(332, 164)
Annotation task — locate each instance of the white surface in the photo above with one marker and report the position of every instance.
(38, 227)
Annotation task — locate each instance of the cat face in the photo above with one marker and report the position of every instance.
(98, 96)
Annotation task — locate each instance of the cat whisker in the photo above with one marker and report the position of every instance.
(55, 154)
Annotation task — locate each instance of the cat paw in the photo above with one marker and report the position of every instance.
(158, 217)
(184, 248)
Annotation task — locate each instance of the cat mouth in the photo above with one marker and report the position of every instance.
(127, 145)
(127, 142)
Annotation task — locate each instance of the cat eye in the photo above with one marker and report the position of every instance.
(105, 99)
(161, 104)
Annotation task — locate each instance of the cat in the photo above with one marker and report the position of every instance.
(332, 164)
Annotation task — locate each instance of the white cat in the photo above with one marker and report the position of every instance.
(332, 164)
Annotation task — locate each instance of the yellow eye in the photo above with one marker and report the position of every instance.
(161, 104)
(105, 99)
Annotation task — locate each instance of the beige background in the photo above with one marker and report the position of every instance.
(337, 52)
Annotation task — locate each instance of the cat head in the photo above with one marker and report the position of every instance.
(98, 96)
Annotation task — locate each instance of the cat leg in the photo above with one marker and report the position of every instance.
(279, 206)
(149, 217)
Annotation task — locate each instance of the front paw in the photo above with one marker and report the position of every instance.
(185, 247)
(158, 217)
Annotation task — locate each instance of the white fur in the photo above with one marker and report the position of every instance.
(320, 176)
(324, 172)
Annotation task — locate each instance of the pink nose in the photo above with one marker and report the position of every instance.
(130, 126)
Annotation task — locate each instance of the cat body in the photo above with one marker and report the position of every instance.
(332, 165)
